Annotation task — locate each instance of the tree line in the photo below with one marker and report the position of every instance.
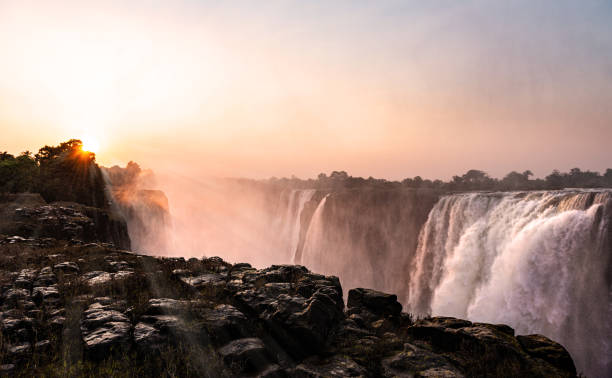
(59, 173)
(473, 179)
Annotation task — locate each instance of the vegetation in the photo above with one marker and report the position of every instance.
(59, 173)
(472, 180)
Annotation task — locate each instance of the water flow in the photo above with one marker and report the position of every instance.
(538, 261)
(313, 239)
(290, 220)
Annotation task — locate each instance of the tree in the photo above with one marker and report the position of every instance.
(67, 173)
(554, 180)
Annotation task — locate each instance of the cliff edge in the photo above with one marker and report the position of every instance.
(89, 309)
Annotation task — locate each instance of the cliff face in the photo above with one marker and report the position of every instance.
(92, 310)
(366, 237)
(147, 215)
(28, 215)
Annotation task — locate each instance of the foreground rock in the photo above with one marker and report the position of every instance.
(25, 214)
(85, 309)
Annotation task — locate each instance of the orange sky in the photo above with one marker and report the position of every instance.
(393, 89)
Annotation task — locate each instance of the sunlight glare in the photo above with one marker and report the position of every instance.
(90, 144)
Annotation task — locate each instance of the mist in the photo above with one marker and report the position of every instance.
(390, 90)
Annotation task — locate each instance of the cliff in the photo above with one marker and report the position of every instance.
(28, 215)
(90, 309)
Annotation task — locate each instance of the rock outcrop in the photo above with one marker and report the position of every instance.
(80, 309)
(28, 215)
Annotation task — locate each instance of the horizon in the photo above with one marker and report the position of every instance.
(390, 90)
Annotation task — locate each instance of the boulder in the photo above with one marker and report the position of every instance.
(225, 323)
(414, 361)
(542, 347)
(104, 328)
(246, 355)
(337, 366)
(375, 301)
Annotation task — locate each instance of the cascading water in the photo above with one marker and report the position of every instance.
(290, 220)
(538, 261)
(314, 235)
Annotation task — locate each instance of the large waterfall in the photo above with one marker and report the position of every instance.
(538, 261)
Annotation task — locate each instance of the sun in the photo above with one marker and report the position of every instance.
(90, 144)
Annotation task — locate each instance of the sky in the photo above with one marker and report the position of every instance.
(389, 89)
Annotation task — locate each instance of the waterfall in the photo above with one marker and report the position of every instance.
(290, 220)
(538, 261)
(314, 235)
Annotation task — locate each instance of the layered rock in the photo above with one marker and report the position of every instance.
(91, 308)
(28, 215)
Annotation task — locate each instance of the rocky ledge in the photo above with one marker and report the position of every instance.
(89, 309)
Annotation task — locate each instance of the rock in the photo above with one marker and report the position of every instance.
(67, 267)
(207, 315)
(7, 368)
(11, 326)
(104, 328)
(246, 355)
(46, 277)
(109, 335)
(211, 282)
(165, 323)
(147, 337)
(25, 278)
(544, 348)
(375, 301)
(42, 346)
(96, 278)
(13, 296)
(414, 361)
(48, 295)
(166, 306)
(19, 351)
(301, 324)
(338, 366)
(120, 265)
(225, 323)
(273, 371)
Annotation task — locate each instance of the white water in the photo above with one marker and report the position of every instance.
(290, 220)
(537, 261)
(313, 238)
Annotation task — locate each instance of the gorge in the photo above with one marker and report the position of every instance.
(539, 261)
